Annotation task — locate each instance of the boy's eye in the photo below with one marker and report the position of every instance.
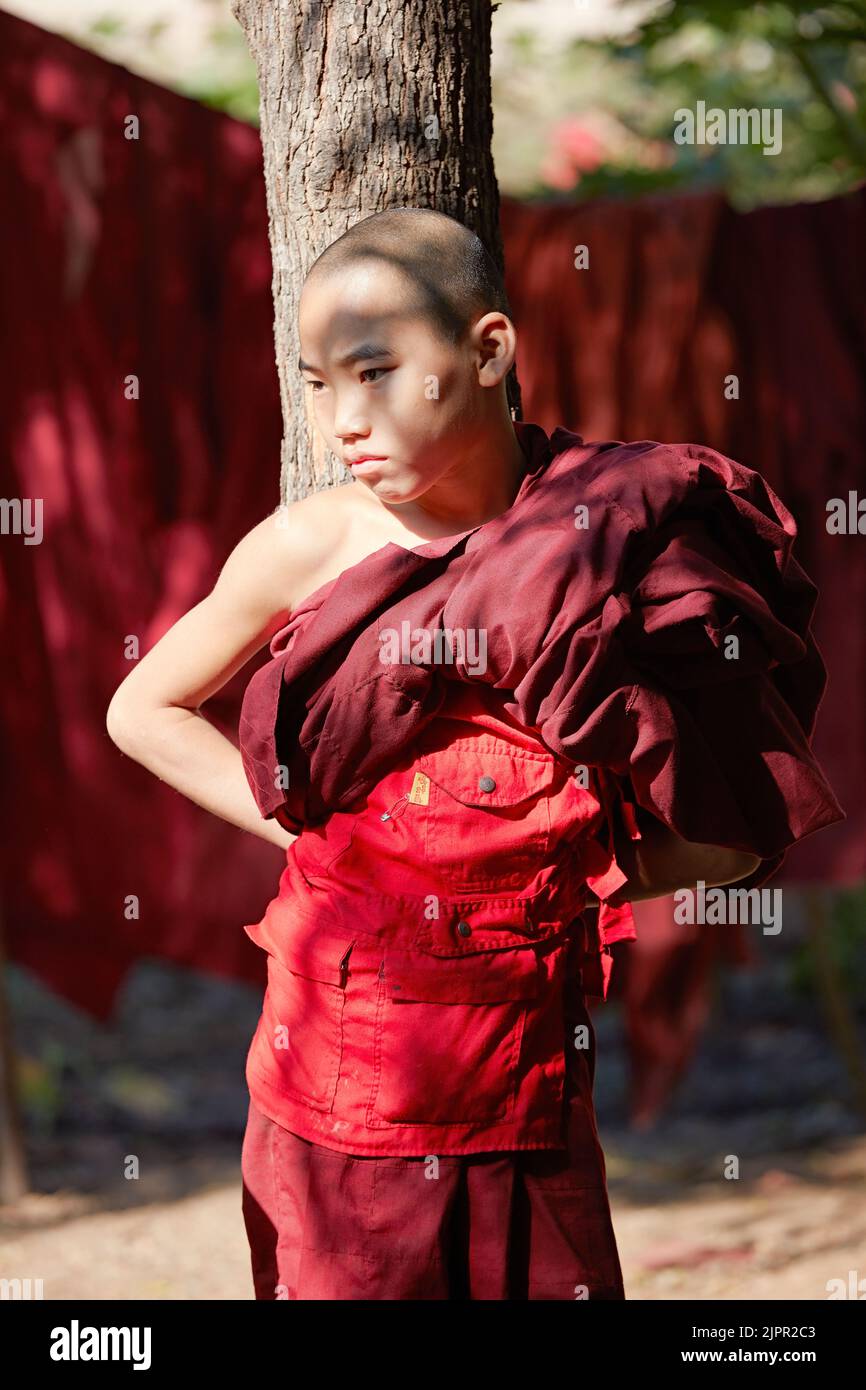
(368, 371)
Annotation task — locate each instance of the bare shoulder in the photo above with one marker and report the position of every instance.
(276, 564)
(289, 554)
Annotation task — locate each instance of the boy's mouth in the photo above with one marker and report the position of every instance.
(359, 460)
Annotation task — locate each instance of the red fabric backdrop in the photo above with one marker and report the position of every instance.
(150, 257)
(146, 257)
(679, 294)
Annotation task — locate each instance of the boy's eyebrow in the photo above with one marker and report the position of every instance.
(357, 354)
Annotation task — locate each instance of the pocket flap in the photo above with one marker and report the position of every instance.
(492, 779)
(489, 977)
(320, 956)
(469, 926)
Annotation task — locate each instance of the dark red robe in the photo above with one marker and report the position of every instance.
(642, 606)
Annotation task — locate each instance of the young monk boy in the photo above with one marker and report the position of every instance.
(421, 1122)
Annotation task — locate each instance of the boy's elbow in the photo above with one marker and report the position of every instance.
(678, 863)
(114, 724)
(120, 723)
(739, 865)
(717, 865)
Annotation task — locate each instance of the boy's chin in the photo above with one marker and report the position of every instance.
(397, 485)
(386, 489)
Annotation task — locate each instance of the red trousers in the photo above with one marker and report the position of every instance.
(524, 1224)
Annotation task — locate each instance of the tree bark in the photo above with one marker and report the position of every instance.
(363, 107)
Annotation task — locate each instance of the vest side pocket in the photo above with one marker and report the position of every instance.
(302, 1018)
(448, 1035)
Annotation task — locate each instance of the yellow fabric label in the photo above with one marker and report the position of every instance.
(420, 793)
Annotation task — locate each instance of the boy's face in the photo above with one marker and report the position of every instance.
(420, 403)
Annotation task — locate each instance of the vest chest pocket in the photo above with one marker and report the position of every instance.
(448, 1035)
(488, 814)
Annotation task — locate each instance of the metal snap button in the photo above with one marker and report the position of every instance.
(486, 784)
(464, 929)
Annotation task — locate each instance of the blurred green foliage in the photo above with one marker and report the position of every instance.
(582, 117)
(844, 941)
(39, 1084)
(228, 82)
(807, 60)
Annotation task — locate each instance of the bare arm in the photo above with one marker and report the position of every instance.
(661, 862)
(154, 715)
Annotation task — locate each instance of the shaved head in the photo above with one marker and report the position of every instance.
(406, 344)
(449, 274)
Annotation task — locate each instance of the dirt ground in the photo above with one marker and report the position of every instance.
(780, 1234)
(164, 1081)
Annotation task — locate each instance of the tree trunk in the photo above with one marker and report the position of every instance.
(363, 107)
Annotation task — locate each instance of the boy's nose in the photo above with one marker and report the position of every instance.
(350, 427)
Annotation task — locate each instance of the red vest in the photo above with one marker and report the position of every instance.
(427, 957)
